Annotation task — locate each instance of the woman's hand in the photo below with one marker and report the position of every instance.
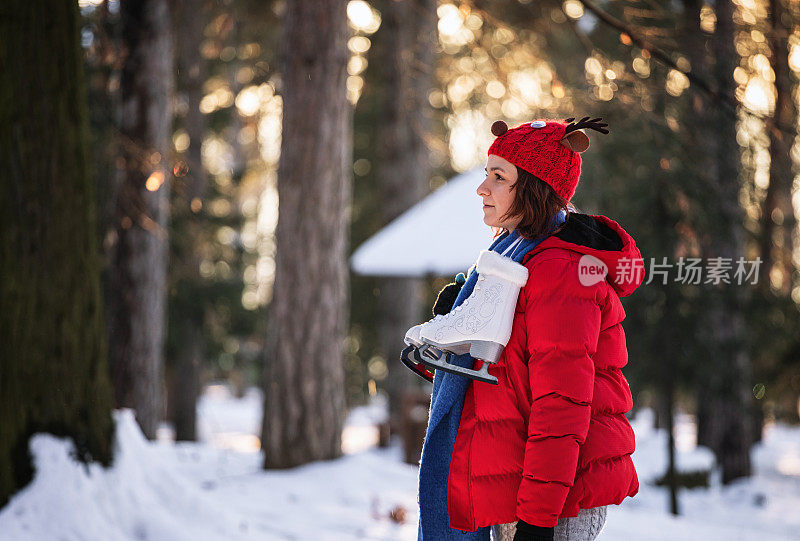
(529, 532)
(448, 295)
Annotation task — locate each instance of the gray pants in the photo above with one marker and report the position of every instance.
(585, 527)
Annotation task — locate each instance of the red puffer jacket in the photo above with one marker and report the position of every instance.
(552, 437)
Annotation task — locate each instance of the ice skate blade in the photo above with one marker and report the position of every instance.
(442, 364)
(418, 368)
(484, 350)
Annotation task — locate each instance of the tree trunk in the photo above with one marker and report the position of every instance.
(724, 412)
(778, 222)
(669, 355)
(672, 481)
(53, 373)
(137, 277)
(186, 381)
(304, 367)
(727, 317)
(192, 70)
(188, 205)
(404, 53)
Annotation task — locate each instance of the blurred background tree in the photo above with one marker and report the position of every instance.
(139, 226)
(220, 170)
(214, 306)
(304, 397)
(393, 167)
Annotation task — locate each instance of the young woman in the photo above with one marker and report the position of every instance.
(540, 455)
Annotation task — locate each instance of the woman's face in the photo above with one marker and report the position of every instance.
(497, 193)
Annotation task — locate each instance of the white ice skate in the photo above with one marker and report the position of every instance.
(480, 326)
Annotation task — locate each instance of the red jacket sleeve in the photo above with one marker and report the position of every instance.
(562, 322)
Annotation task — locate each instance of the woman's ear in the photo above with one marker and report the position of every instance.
(576, 141)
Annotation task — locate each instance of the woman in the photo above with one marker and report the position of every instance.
(540, 455)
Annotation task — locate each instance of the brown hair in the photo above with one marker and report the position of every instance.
(537, 203)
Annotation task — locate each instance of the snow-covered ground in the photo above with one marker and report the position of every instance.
(215, 489)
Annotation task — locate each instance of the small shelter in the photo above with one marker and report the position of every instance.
(441, 235)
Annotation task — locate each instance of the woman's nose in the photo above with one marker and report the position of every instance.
(481, 191)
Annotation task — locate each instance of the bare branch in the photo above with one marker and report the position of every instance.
(730, 102)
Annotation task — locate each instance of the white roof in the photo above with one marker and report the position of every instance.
(441, 235)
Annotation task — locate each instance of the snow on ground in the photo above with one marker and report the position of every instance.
(215, 489)
(763, 506)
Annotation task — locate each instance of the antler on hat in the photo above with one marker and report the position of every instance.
(586, 123)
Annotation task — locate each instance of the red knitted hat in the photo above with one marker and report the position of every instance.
(547, 149)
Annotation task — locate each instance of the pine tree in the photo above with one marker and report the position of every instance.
(404, 55)
(724, 378)
(189, 310)
(53, 374)
(304, 372)
(777, 216)
(138, 267)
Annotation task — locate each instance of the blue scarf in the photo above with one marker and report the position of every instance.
(447, 401)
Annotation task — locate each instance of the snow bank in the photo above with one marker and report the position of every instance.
(140, 497)
(196, 491)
